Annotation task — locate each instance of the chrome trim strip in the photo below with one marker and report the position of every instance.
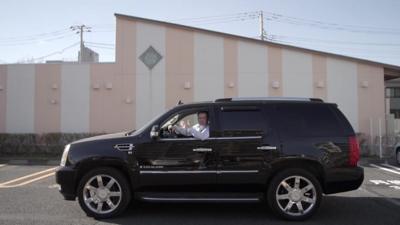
(267, 148)
(176, 171)
(236, 171)
(198, 199)
(202, 149)
(212, 138)
(195, 171)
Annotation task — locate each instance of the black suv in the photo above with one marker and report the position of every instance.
(285, 151)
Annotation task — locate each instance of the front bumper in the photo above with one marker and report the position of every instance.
(66, 178)
(343, 179)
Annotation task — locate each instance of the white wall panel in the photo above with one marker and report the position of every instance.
(20, 99)
(208, 67)
(150, 84)
(75, 98)
(297, 77)
(252, 69)
(342, 88)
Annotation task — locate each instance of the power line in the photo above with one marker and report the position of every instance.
(101, 47)
(35, 41)
(327, 25)
(56, 52)
(218, 17)
(98, 43)
(313, 40)
(34, 36)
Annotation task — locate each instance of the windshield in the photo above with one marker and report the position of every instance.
(134, 132)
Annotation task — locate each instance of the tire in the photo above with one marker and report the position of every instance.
(398, 156)
(302, 201)
(106, 197)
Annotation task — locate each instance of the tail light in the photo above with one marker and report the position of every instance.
(354, 151)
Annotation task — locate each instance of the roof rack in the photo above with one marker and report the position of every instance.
(268, 99)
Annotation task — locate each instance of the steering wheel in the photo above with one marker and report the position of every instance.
(167, 133)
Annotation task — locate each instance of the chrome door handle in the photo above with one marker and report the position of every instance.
(202, 149)
(124, 147)
(266, 147)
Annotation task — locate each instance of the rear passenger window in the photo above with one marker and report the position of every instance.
(241, 122)
(308, 120)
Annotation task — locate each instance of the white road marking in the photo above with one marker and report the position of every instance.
(385, 169)
(393, 167)
(54, 186)
(1, 165)
(377, 182)
(31, 178)
(28, 181)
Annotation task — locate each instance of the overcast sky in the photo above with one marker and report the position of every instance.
(39, 29)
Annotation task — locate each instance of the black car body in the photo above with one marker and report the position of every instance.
(258, 149)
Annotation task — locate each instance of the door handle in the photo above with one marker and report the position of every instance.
(266, 148)
(202, 149)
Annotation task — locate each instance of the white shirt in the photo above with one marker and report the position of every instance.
(197, 131)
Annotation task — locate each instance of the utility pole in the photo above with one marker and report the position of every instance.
(262, 31)
(80, 29)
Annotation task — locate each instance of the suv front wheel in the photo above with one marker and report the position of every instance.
(103, 193)
(294, 194)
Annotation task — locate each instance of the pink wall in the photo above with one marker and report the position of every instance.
(126, 70)
(319, 76)
(179, 66)
(111, 99)
(47, 98)
(3, 97)
(275, 70)
(371, 99)
(230, 68)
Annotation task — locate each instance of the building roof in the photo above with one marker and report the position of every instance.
(392, 71)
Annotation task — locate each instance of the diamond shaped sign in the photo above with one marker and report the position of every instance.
(150, 57)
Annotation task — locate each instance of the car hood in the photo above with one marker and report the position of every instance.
(101, 137)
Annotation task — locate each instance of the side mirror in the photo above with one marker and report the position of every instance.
(154, 133)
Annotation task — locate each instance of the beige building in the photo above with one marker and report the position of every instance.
(158, 63)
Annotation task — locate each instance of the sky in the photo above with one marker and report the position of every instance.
(35, 31)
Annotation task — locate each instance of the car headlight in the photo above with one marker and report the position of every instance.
(64, 155)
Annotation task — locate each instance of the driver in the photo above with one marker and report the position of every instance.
(200, 130)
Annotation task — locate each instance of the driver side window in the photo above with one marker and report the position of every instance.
(181, 120)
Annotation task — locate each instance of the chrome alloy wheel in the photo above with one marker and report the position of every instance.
(296, 195)
(102, 194)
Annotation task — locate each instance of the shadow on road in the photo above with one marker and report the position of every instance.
(336, 210)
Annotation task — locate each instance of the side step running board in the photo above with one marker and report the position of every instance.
(198, 197)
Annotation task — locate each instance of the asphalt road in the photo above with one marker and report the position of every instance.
(34, 199)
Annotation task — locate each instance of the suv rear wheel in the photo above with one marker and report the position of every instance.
(103, 193)
(294, 194)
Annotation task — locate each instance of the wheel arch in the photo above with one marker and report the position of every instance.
(310, 165)
(92, 163)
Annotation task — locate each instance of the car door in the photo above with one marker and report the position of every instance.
(246, 147)
(177, 164)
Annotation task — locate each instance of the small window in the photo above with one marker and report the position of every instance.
(308, 120)
(241, 122)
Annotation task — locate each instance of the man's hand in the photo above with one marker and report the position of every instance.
(172, 128)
